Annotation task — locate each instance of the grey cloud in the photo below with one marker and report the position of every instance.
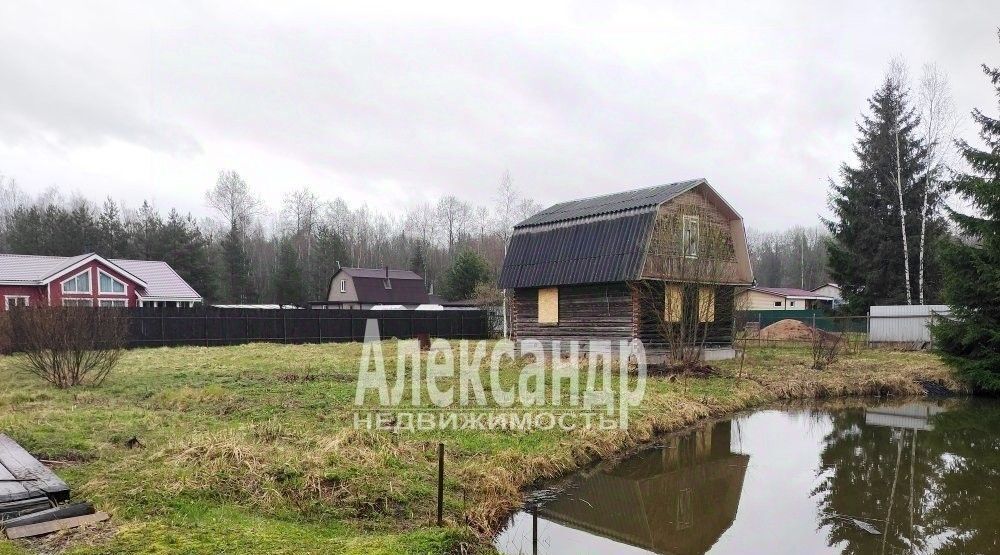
(760, 99)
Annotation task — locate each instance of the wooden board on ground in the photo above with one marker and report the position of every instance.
(41, 528)
(64, 511)
(10, 488)
(27, 477)
(12, 509)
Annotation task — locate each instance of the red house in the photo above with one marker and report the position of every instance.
(91, 280)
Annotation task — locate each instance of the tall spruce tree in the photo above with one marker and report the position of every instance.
(467, 271)
(970, 338)
(113, 240)
(287, 279)
(866, 248)
(186, 250)
(238, 286)
(330, 250)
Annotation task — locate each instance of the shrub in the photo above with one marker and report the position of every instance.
(826, 348)
(67, 346)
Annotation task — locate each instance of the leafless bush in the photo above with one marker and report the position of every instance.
(67, 346)
(826, 348)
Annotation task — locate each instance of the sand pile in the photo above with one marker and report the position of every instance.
(788, 330)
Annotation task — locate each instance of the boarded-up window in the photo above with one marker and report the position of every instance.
(548, 305)
(706, 304)
(673, 303)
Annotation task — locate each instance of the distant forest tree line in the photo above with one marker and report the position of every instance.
(795, 257)
(246, 254)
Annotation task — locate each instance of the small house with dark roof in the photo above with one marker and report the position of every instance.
(91, 280)
(619, 266)
(363, 288)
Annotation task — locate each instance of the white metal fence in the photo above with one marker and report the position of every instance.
(903, 323)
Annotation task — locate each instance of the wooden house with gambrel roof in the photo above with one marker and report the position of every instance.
(629, 265)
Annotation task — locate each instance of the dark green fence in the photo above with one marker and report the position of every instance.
(816, 318)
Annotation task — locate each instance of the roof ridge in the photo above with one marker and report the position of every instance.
(640, 189)
(629, 200)
(136, 260)
(38, 255)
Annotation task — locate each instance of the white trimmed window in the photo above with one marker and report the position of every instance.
(10, 301)
(343, 286)
(80, 283)
(77, 302)
(108, 284)
(112, 303)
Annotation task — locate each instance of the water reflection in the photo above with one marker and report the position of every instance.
(914, 478)
(676, 499)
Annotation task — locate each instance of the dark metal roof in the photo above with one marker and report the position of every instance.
(610, 204)
(380, 273)
(404, 286)
(593, 240)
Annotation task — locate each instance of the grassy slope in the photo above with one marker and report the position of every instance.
(251, 448)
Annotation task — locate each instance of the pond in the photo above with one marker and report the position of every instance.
(913, 477)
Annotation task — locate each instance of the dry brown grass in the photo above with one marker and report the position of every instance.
(258, 437)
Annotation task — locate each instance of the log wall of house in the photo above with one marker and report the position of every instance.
(652, 301)
(585, 311)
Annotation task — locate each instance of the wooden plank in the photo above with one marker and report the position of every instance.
(41, 528)
(23, 506)
(56, 513)
(11, 489)
(22, 466)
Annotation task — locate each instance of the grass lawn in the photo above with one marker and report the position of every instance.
(252, 449)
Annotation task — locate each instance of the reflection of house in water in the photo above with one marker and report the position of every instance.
(911, 416)
(678, 499)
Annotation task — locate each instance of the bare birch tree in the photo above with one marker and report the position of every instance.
(899, 76)
(453, 217)
(506, 210)
(234, 201)
(939, 121)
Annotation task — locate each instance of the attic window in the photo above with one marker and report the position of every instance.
(108, 284)
(80, 283)
(343, 286)
(689, 237)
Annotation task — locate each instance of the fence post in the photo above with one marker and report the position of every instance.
(284, 328)
(440, 484)
(206, 326)
(319, 325)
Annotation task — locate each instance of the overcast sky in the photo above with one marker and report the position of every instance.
(388, 104)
